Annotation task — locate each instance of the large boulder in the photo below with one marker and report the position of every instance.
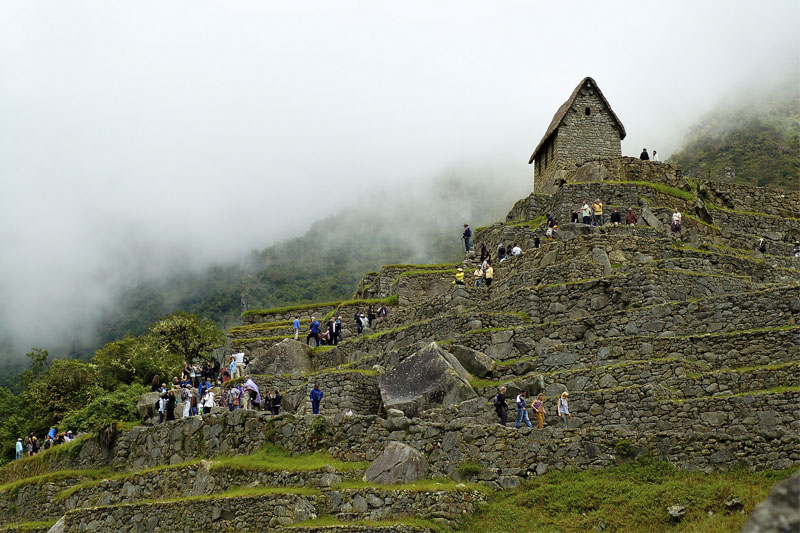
(428, 378)
(778, 512)
(475, 362)
(147, 408)
(286, 357)
(651, 219)
(399, 463)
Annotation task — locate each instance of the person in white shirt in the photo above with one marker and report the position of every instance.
(655, 156)
(676, 221)
(516, 250)
(239, 359)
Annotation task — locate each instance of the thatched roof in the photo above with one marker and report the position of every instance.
(562, 112)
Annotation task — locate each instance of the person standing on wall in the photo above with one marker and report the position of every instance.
(296, 327)
(466, 236)
(316, 397)
(655, 156)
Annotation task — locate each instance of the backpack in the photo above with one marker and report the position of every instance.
(497, 402)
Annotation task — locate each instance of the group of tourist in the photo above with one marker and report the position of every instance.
(333, 331)
(645, 157)
(30, 445)
(501, 408)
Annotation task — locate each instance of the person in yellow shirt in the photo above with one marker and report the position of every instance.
(597, 207)
(489, 275)
(459, 277)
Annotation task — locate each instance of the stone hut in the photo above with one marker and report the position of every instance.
(584, 128)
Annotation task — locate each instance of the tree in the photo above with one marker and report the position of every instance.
(38, 365)
(186, 336)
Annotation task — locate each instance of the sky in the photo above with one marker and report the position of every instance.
(142, 137)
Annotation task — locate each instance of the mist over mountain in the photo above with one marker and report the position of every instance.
(419, 224)
(752, 138)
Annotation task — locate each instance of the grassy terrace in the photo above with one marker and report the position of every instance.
(631, 497)
(391, 300)
(660, 187)
(332, 521)
(28, 526)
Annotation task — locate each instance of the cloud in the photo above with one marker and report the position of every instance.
(144, 137)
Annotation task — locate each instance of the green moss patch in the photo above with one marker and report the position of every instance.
(272, 458)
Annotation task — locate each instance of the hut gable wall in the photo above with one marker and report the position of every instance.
(588, 131)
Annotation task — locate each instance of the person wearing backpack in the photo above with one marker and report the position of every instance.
(522, 411)
(501, 406)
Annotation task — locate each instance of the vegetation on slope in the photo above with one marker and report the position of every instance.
(632, 497)
(752, 143)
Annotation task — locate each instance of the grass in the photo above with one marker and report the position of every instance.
(42, 524)
(632, 497)
(433, 266)
(272, 458)
(52, 476)
(423, 485)
(660, 187)
(409, 273)
(749, 213)
(248, 340)
(486, 330)
(535, 223)
(321, 349)
(332, 521)
(391, 300)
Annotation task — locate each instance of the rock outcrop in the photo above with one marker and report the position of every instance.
(780, 512)
(399, 463)
(428, 378)
(287, 357)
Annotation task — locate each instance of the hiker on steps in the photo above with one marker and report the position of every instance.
(484, 252)
(316, 397)
(563, 409)
(501, 406)
(522, 411)
(313, 332)
(467, 235)
(538, 408)
(489, 276)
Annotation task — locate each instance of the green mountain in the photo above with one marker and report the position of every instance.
(753, 141)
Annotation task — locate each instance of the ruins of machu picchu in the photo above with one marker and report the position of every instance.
(681, 347)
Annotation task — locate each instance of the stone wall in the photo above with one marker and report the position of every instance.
(287, 316)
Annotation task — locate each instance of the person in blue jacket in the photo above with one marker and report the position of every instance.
(313, 331)
(522, 411)
(467, 235)
(316, 397)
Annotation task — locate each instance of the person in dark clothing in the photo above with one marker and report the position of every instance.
(316, 397)
(170, 406)
(501, 406)
(357, 318)
(267, 401)
(215, 369)
(155, 386)
(631, 218)
(466, 236)
(536, 241)
(276, 402)
(616, 219)
(371, 316)
(573, 217)
(644, 155)
(484, 252)
(331, 331)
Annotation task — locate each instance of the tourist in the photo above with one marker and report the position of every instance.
(170, 406)
(251, 395)
(761, 246)
(313, 331)
(478, 275)
(522, 411)
(573, 217)
(276, 402)
(357, 318)
(501, 252)
(331, 333)
(538, 407)
(364, 320)
(797, 248)
(339, 334)
(501, 406)
(296, 327)
(371, 315)
(563, 409)
(643, 156)
(516, 250)
(215, 369)
(484, 252)
(597, 210)
(234, 398)
(208, 401)
(586, 212)
(536, 241)
(19, 448)
(239, 367)
(459, 277)
(316, 397)
(162, 402)
(486, 263)
(225, 376)
(155, 385)
(267, 401)
(489, 276)
(655, 156)
(194, 375)
(467, 235)
(676, 221)
(616, 218)
(188, 398)
(631, 218)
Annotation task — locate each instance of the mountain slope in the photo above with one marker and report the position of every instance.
(755, 142)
